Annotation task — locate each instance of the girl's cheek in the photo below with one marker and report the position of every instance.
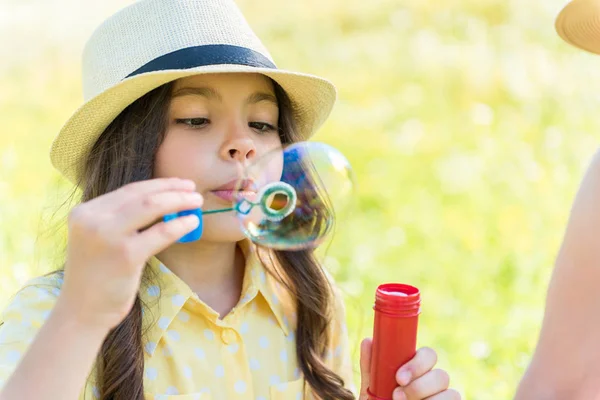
(178, 156)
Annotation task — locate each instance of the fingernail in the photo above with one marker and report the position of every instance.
(398, 395)
(404, 378)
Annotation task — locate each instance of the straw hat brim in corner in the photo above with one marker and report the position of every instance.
(578, 24)
(153, 42)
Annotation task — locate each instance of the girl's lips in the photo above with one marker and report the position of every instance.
(231, 195)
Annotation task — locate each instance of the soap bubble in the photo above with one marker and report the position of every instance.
(288, 198)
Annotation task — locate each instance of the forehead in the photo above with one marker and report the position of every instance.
(250, 82)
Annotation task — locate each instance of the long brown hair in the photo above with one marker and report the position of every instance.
(125, 153)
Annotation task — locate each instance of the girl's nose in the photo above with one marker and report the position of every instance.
(240, 149)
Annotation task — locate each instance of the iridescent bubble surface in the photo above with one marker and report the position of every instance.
(288, 198)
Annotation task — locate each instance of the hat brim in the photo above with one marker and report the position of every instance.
(578, 24)
(312, 100)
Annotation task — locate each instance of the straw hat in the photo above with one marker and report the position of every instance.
(153, 42)
(579, 24)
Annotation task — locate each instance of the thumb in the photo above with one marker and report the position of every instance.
(365, 367)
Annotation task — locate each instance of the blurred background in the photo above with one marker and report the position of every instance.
(469, 125)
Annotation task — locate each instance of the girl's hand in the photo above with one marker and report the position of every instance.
(416, 379)
(108, 246)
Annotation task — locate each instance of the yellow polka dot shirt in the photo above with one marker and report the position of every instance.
(190, 353)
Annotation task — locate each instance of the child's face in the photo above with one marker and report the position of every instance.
(218, 124)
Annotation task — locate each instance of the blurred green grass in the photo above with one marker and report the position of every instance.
(468, 123)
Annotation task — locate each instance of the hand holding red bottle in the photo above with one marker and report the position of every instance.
(391, 367)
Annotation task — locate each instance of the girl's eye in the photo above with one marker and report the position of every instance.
(262, 127)
(193, 122)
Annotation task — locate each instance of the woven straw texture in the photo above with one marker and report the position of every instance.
(579, 24)
(149, 29)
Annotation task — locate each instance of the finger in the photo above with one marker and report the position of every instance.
(430, 384)
(365, 367)
(162, 235)
(449, 394)
(117, 198)
(398, 394)
(137, 214)
(423, 361)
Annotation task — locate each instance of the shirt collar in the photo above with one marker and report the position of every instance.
(168, 294)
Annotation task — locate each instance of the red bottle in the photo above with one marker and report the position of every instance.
(397, 308)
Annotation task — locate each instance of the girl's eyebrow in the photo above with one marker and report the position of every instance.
(257, 97)
(212, 94)
(207, 92)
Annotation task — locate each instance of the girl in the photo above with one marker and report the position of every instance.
(180, 94)
(565, 362)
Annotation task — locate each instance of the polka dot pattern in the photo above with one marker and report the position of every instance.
(151, 373)
(174, 335)
(164, 269)
(172, 390)
(209, 334)
(291, 337)
(183, 316)
(153, 291)
(250, 352)
(200, 353)
(254, 364)
(263, 342)
(233, 348)
(240, 387)
(178, 300)
(282, 387)
(163, 322)
(150, 347)
(274, 380)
